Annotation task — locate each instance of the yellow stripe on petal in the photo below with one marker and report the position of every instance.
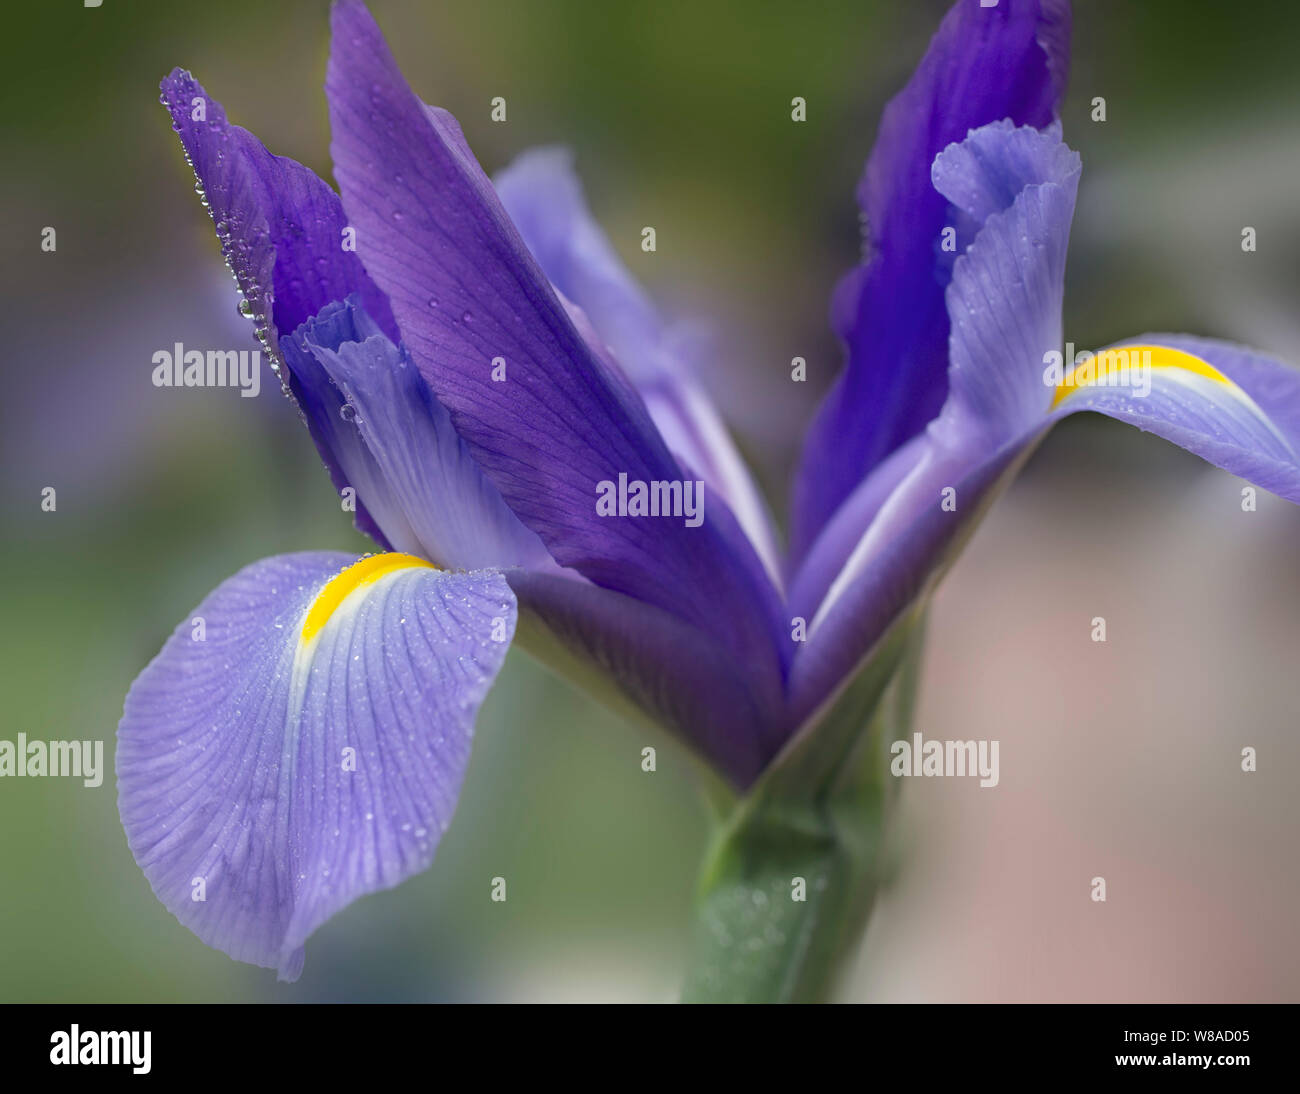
(363, 572)
(1106, 369)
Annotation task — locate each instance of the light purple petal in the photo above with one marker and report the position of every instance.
(984, 64)
(278, 777)
(1249, 425)
(333, 427)
(985, 172)
(1005, 298)
(455, 516)
(465, 292)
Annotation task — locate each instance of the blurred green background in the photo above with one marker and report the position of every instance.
(679, 115)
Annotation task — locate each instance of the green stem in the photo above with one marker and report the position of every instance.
(793, 871)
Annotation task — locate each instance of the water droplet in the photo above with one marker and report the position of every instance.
(347, 412)
(467, 317)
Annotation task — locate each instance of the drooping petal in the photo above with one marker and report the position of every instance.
(281, 231)
(1238, 409)
(984, 64)
(544, 198)
(455, 515)
(305, 746)
(466, 294)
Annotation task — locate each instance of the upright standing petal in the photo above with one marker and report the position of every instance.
(332, 422)
(984, 64)
(823, 562)
(281, 230)
(544, 198)
(558, 421)
(455, 516)
(301, 740)
(1004, 302)
(1007, 291)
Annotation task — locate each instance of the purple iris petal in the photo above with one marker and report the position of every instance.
(424, 471)
(466, 293)
(266, 781)
(334, 429)
(544, 198)
(302, 738)
(1007, 291)
(911, 541)
(1252, 431)
(1235, 408)
(681, 677)
(280, 229)
(832, 548)
(984, 64)
(985, 172)
(1004, 303)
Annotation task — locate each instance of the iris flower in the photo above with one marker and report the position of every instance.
(473, 362)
